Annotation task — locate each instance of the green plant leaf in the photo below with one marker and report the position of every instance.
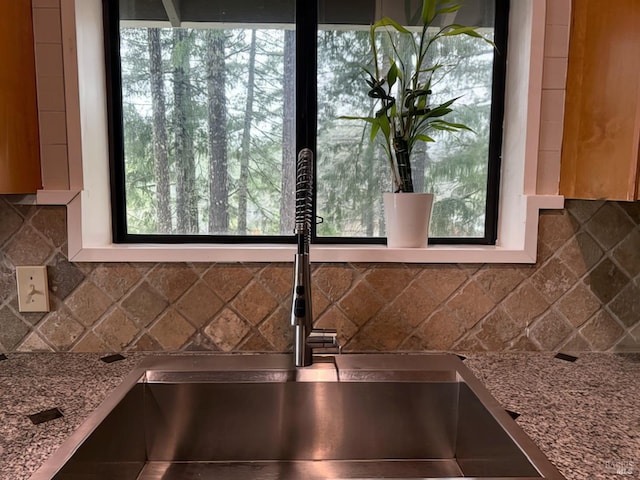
(392, 74)
(424, 138)
(383, 124)
(461, 30)
(428, 11)
(451, 9)
(450, 126)
(375, 127)
(388, 22)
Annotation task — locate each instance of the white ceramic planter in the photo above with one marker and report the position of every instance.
(407, 218)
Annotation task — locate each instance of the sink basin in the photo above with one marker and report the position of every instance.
(257, 417)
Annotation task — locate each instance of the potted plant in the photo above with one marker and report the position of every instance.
(404, 114)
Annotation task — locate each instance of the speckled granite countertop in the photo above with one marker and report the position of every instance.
(584, 415)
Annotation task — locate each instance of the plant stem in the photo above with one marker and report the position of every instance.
(404, 164)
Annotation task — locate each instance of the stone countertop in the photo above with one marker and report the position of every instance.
(584, 415)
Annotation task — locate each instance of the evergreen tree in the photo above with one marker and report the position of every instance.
(217, 131)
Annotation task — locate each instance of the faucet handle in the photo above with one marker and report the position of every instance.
(325, 338)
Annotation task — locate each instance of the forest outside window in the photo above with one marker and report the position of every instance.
(210, 101)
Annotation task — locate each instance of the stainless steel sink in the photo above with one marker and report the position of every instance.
(257, 417)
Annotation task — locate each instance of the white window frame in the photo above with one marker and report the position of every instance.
(88, 204)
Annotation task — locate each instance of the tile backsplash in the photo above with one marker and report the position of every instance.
(583, 294)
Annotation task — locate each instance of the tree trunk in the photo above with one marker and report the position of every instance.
(217, 132)
(160, 153)
(287, 197)
(186, 195)
(245, 149)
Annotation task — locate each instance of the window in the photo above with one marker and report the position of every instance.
(209, 105)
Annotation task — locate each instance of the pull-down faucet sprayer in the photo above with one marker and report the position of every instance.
(305, 337)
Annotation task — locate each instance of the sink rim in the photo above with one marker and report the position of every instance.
(261, 368)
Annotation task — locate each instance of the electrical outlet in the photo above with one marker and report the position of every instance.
(33, 289)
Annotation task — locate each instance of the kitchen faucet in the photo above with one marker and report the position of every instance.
(306, 338)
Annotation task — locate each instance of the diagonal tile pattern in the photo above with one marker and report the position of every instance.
(583, 294)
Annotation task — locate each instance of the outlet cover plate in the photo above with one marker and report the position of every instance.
(33, 289)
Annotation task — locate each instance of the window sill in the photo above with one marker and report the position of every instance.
(518, 251)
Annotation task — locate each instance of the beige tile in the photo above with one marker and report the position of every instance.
(61, 330)
(556, 228)
(469, 343)
(609, 225)
(553, 279)
(441, 331)
(389, 281)
(551, 135)
(255, 343)
(53, 129)
(34, 343)
(583, 210)
(606, 280)
(333, 281)
(90, 343)
(626, 306)
(580, 253)
(28, 247)
(13, 330)
(552, 108)
(10, 220)
(414, 305)
(499, 280)
(45, 3)
(51, 221)
(55, 167)
(51, 93)
(49, 59)
(551, 331)
(227, 330)
(144, 304)
(627, 253)
(576, 344)
(578, 305)
(254, 303)
(498, 330)
(115, 279)
(554, 75)
(46, 25)
(361, 303)
(525, 303)
(199, 304)
(227, 280)
(441, 280)
(558, 12)
(384, 332)
(470, 304)
(524, 344)
(276, 329)
(278, 279)
(8, 289)
(602, 331)
(145, 343)
(556, 41)
(87, 303)
(172, 279)
(117, 330)
(548, 172)
(172, 330)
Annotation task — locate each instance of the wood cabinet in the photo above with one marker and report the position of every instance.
(602, 111)
(19, 143)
